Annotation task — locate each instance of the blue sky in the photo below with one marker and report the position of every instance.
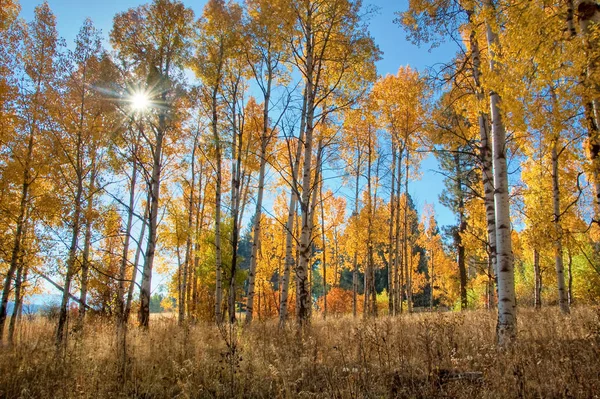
(397, 51)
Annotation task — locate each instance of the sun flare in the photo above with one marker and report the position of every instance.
(140, 101)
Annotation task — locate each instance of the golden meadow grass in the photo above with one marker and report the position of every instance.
(411, 356)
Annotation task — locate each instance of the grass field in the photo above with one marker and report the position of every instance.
(449, 355)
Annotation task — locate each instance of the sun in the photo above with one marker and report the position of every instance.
(140, 101)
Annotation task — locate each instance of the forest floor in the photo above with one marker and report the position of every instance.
(412, 356)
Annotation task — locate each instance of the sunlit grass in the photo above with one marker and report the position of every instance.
(419, 355)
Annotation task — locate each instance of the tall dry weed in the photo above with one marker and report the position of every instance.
(411, 356)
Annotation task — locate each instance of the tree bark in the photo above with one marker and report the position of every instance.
(188, 242)
(368, 310)
(265, 138)
(588, 14)
(85, 264)
(121, 320)
(235, 202)
(218, 179)
(390, 271)
(136, 262)
(290, 261)
(144, 320)
(507, 317)
(563, 300)
(458, 241)
(431, 279)
(570, 281)
(302, 288)
(485, 154)
(324, 252)
(62, 318)
(199, 226)
(355, 257)
(538, 279)
(18, 308)
(373, 289)
(313, 209)
(311, 84)
(407, 252)
(20, 226)
(398, 259)
(19, 281)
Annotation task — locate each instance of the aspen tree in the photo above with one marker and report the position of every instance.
(11, 36)
(354, 155)
(428, 22)
(143, 34)
(40, 50)
(217, 40)
(268, 27)
(332, 54)
(507, 317)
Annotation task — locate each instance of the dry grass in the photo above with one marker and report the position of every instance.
(413, 356)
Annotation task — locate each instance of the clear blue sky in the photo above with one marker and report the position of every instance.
(389, 36)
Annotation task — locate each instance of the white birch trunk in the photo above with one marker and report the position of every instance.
(144, 319)
(507, 316)
(485, 155)
(290, 261)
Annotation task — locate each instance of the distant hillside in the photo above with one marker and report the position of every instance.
(37, 303)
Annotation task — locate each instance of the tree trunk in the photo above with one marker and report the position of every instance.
(121, 319)
(303, 300)
(324, 252)
(491, 282)
(485, 155)
(290, 261)
(588, 13)
(368, 310)
(398, 259)
(570, 271)
(264, 142)
(235, 209)
(458, 241)
(312, 213)
(407, 253)
(188, 242)
(218, 180)
(199, 225)
(390, 271)
(462, 269)
(563, 300)
(152, 224)
(18, 308)
(538, 279)
(257, 216)
(136, 262)
(373, 289)
(19, 281)
(507, 317)
(72, 257)
(17, 303)
(85, 264)
(355, 258)
(20, 225)
(336, 271)
(431, 279)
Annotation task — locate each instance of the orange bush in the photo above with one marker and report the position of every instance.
(339, 301)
